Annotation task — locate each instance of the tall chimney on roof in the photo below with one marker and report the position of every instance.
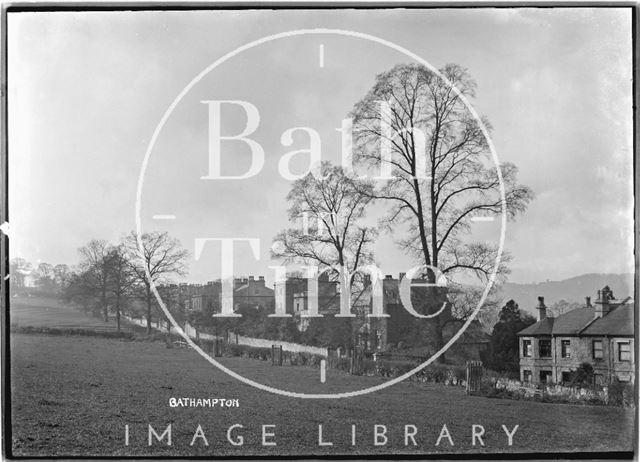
(542, 309)
(602, 303)
(588, 299)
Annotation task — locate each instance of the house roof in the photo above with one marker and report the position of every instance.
(618, 322)
(248, 287)
(542, 327)
(582, 321)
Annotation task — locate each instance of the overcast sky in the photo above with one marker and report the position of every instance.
(86, 91)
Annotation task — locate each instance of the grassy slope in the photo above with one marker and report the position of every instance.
(49, 312)
(73, 396)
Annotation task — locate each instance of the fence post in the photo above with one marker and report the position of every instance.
(474, 376)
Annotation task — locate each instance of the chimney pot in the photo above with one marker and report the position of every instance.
(402, 275)
(388, 276)
(588, 299)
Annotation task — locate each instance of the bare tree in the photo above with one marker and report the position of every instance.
(61, 275)
(441, 170)
(94, 264)
(159, 257)
(80, 290)
(464, 300)
(120, 278)
(333, 205)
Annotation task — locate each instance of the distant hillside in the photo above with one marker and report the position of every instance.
(571, 290)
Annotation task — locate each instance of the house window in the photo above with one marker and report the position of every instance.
(624, 351)
(526, 349)
(596, 348)
(544, 348)
(566, 377)
(526, 375)
(566, 349)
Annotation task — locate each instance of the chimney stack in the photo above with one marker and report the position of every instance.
(602, 303)
(401, 276)
(542, 309)
(588, 299)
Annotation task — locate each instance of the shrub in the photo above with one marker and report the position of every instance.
(305, 359)
(262, 354)
(233, 350)
(342, 364)
(620, 393)
(387, 368)
(440, 373)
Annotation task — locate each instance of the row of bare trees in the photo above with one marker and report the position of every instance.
(49, 278)
(111, 276)
(440, 175)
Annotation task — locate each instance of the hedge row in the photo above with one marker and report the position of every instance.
(618, 394)
(66, 331)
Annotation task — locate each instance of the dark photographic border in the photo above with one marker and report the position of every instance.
(296, 5)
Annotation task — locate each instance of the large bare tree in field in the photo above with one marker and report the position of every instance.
(333, 205)
(160, 257)
(441, 170)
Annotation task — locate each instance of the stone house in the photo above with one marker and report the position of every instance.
(207, 297)
(253, 293)
(601, 335)
(292, 294)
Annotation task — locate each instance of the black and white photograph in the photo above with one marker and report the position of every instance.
(333, 231)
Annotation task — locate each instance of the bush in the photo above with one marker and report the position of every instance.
(387, 368)
(620, 393)
(342, 364)
(305, 359)
(233, 350)
(440, 373)
(262, 354)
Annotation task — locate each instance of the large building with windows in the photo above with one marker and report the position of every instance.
(601, 335)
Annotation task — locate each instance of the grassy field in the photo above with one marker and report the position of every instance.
(74, 396)
(48, 312)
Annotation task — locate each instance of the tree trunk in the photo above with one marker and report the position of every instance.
(148, 310)
(104, 306)
(118, 313)
(439, 297)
